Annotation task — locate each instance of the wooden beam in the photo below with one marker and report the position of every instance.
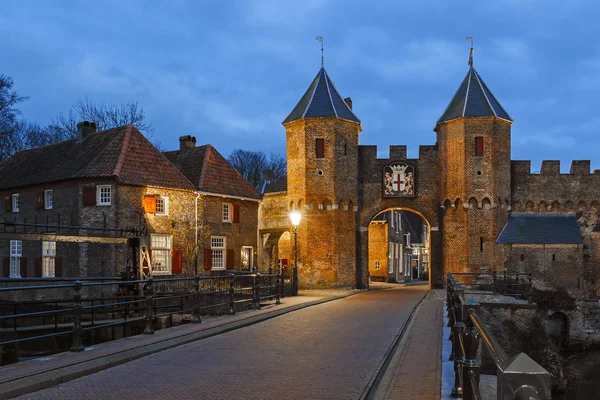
(61, 238)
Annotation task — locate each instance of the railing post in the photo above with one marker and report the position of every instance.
(495, 289)
(277, 286)
(77, 344)
(471, 367)
(197, 299)
(457, 335)
(231, 295)
(149, 289)
(256, 291)
(282, 283)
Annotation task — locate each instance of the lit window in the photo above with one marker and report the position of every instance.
(377, 265)
(16, 251)
(15, 202)
(161, 254)
(162, 206)
(103, 195)
(48, 259)
(247, 252)
(48, 199)
(217, 245)
(227, 212)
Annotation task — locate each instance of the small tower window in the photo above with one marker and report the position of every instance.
(320, 148)
(553, 257)
(522, 257)
(345, 149)
(479, 146)
(481, 245)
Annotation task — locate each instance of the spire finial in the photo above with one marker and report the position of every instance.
(320, 39)
(470, 39)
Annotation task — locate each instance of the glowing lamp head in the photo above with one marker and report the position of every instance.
(295, 217)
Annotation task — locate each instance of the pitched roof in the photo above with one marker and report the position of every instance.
(122, 153)
(321, 99)
(540, 229)
(210, 172)
(473, 99)
(277, 185)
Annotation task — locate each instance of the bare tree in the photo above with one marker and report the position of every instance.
(105, 116)
(251, 165)
(9, 122)
(185, 229)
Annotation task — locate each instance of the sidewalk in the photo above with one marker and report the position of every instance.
(416, 368)
(32, 375)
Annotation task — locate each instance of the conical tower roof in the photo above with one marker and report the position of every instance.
(321, 100)
(473, 99)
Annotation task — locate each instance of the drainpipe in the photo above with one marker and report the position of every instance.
(196, 238)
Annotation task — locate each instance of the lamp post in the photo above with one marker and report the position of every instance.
(295, 217)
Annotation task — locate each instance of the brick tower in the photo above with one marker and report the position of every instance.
(473, 135)
(322, 181)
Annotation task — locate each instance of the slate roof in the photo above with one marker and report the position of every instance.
(473, 99)
(122, 153)
(210, 172)
(321, 99)
(277, 185)
(540, 229)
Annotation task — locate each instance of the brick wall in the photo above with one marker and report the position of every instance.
(378, 251)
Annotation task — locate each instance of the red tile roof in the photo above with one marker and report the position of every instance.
(122, 153)
(206, 168)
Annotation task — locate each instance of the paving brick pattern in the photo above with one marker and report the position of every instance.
(418, 374)
(329, 351)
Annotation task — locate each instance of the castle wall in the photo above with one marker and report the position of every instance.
(378, 252)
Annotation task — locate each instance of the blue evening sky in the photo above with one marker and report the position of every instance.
(230, 71)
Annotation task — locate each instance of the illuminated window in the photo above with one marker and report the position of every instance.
(161, 254)
(162, 206)
(217, 245)
(48, 259)
(227, 212)
(377, 265)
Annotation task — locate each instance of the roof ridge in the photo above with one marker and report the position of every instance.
(314, 90)
(484, 94)
(338, 92)
(329, 93)
(124, 146)
(467, 92)
(100, 153)
(203, 168)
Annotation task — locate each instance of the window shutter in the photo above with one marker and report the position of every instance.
(23, 267)
(230, 262)
(38, 267)
(150, 204)
(479, 147)
(8, 203)
(6, 267)
(177, 261)
(236, 213)
(320, 148)
(89, 195)
(58, 267)
(39, 200)
(207, 259)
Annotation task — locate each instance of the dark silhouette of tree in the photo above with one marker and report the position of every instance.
(251, 165)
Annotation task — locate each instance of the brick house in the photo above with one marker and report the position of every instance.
(74, 205)
(227, 207)
(101, 180)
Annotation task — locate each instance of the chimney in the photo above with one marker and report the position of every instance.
(348, 101)
(84, 129)
(186, 142)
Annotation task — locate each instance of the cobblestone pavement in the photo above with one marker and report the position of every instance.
(328, 351)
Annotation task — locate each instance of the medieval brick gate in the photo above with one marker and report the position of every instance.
(424, 202)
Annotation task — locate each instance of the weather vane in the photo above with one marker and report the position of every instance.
(320, 39)
(470, 39)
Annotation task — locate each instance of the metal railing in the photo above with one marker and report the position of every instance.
(518, 377)
(509, 284)
(77, 315)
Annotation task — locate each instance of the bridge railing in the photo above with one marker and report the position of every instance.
(79, 310)
(518, 377)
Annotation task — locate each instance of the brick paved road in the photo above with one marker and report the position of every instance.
(329, 351)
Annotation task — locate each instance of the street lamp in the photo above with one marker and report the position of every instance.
(295, 217)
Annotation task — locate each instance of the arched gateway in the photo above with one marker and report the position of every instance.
(460, 186)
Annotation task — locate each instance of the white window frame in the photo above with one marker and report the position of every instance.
(218, 252)
(377, 265)
(390, 257)
(165, 201)
(392, 219)
(15, 202)
(158, 268)
(99, 201)
(16, 252)
(48, 199)
(48, 259)
(227, 212)
(251, 260)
